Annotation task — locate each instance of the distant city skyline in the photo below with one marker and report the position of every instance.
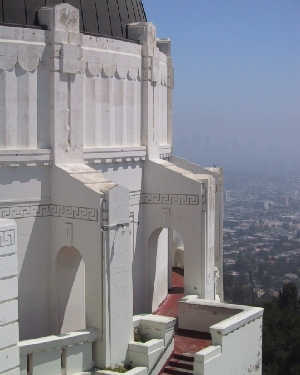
(237, 67)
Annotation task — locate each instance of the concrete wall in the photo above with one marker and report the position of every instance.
(9, 327)
(239, 352)
(191, 214)
(24, 196)
(236, 332)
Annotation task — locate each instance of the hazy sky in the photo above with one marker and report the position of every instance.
(237, 65)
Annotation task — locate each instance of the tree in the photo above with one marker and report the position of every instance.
(281, 333)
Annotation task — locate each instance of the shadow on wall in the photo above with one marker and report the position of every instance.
(161, 245)
(70, 290)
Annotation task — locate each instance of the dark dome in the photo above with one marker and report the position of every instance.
(98, 17)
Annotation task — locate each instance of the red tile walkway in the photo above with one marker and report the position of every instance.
(185, 341)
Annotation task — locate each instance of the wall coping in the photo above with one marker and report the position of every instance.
(241, 316)
(57, 341)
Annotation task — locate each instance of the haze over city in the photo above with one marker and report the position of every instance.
(236, 100)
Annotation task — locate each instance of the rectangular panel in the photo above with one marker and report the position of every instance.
(90, 20)
(8, 312)
(103, 18)
(3, 137)
(89, 104)
(11, 108)
(8, 266)
(27, 110)
(8, 289)
(115, 19)
(7, 239)
(14, 11)
(9, 335)
(9, 358)
(106, 120)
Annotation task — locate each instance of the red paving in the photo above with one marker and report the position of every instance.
(185, 341)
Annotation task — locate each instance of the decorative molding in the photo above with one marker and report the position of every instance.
(106, 155)
(170, 199)
(25, 158)
(7, 237)
(27, 55)
(134, 198)
(49, 210)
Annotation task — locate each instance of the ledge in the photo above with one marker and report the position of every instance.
(134, 371)
(109, 155)
(59, 341)
(25, 157)
(234, 316)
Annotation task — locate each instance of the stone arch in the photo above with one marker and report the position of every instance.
(196, 227)
(70, 290)
(159, 265)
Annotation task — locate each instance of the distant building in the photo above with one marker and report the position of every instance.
(228, 195)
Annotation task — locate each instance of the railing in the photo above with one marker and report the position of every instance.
(158, 332)
(64, 354)
(236, 333)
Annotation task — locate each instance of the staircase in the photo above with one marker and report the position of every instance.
(179, 364)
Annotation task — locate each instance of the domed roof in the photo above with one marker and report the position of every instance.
(98, 17)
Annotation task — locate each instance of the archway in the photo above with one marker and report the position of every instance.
(70, 290)
(164, 275)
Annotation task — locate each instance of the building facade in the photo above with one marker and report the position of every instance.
(92, 198)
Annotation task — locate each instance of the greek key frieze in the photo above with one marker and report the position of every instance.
(170, 199)
(49, 210)
(7, 237)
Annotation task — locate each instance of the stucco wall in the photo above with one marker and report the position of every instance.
(24, 191)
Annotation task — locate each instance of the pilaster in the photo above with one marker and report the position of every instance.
(65, 81)
(145, 33)
(165, 46)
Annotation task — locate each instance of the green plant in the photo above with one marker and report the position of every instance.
(139, 337)
(121, 369)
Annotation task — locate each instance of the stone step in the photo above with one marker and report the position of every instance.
(183, 357)
(181, 364)
(177, 371)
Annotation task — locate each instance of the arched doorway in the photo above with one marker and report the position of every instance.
(70, 290)
(162, 246)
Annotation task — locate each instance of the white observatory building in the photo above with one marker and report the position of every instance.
(93, 203)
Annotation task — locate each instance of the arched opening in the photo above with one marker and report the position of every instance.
(70, 290)
(166, 266)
